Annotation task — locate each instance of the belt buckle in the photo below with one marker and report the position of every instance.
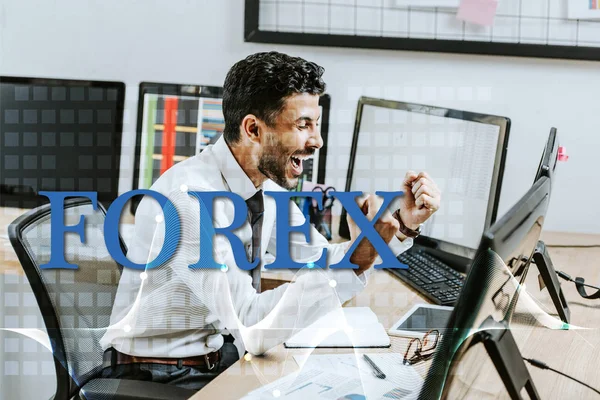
(207, 361)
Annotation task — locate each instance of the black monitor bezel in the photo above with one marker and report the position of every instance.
(500, 158)
(549, 156)
(523, 209)
(106, 199)
(515, 224)
(530, 208)
(325, 103)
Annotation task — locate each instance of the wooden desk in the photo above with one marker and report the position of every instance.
(575, 352)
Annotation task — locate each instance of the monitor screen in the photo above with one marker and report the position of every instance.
(174, 122)
(462, 152)
(59, 135)
(197, 122)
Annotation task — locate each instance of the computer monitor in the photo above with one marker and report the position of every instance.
(514, 236)
(464, 153)
(59, 135)
(549, 157)
(174, 122)
(490, 288)
(177, 121)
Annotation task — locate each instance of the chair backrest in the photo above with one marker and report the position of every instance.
(75, 303)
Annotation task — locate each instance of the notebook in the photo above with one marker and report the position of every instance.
(350, 327)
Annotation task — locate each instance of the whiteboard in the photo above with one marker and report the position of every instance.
(521, 27)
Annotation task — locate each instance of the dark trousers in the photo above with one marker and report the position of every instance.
(184, 377)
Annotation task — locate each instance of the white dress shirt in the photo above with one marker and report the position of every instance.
(175, 311)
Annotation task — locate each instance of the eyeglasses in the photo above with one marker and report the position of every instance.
(421, 350)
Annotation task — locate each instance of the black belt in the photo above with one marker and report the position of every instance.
(208, 362)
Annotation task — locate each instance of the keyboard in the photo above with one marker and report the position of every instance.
(435, 280)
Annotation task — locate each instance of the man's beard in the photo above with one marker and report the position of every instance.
(273, 163)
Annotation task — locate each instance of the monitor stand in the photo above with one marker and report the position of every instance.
(500, 345)
(542, 260)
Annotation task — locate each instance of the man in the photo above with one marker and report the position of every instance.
(176, 325)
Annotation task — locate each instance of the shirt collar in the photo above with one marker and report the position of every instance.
(234, 175)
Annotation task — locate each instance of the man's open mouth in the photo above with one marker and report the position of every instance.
(296, 162)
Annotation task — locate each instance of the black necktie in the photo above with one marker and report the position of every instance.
(256, 209)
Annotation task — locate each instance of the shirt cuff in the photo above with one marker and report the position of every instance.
(398, 247)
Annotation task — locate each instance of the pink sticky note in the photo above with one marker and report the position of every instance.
(481, 12)
(562, 154)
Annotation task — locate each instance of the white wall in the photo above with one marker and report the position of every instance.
(197, 41)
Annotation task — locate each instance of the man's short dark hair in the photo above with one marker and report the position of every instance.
(259, 85)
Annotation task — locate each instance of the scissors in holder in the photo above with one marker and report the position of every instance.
(327, 196)
(321, 219)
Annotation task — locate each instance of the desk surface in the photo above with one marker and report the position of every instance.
(572, 352)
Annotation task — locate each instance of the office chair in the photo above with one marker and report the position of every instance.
(76, 304)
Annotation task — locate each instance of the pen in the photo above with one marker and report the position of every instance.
(376, 371)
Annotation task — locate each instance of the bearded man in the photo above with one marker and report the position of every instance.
(183, 326)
